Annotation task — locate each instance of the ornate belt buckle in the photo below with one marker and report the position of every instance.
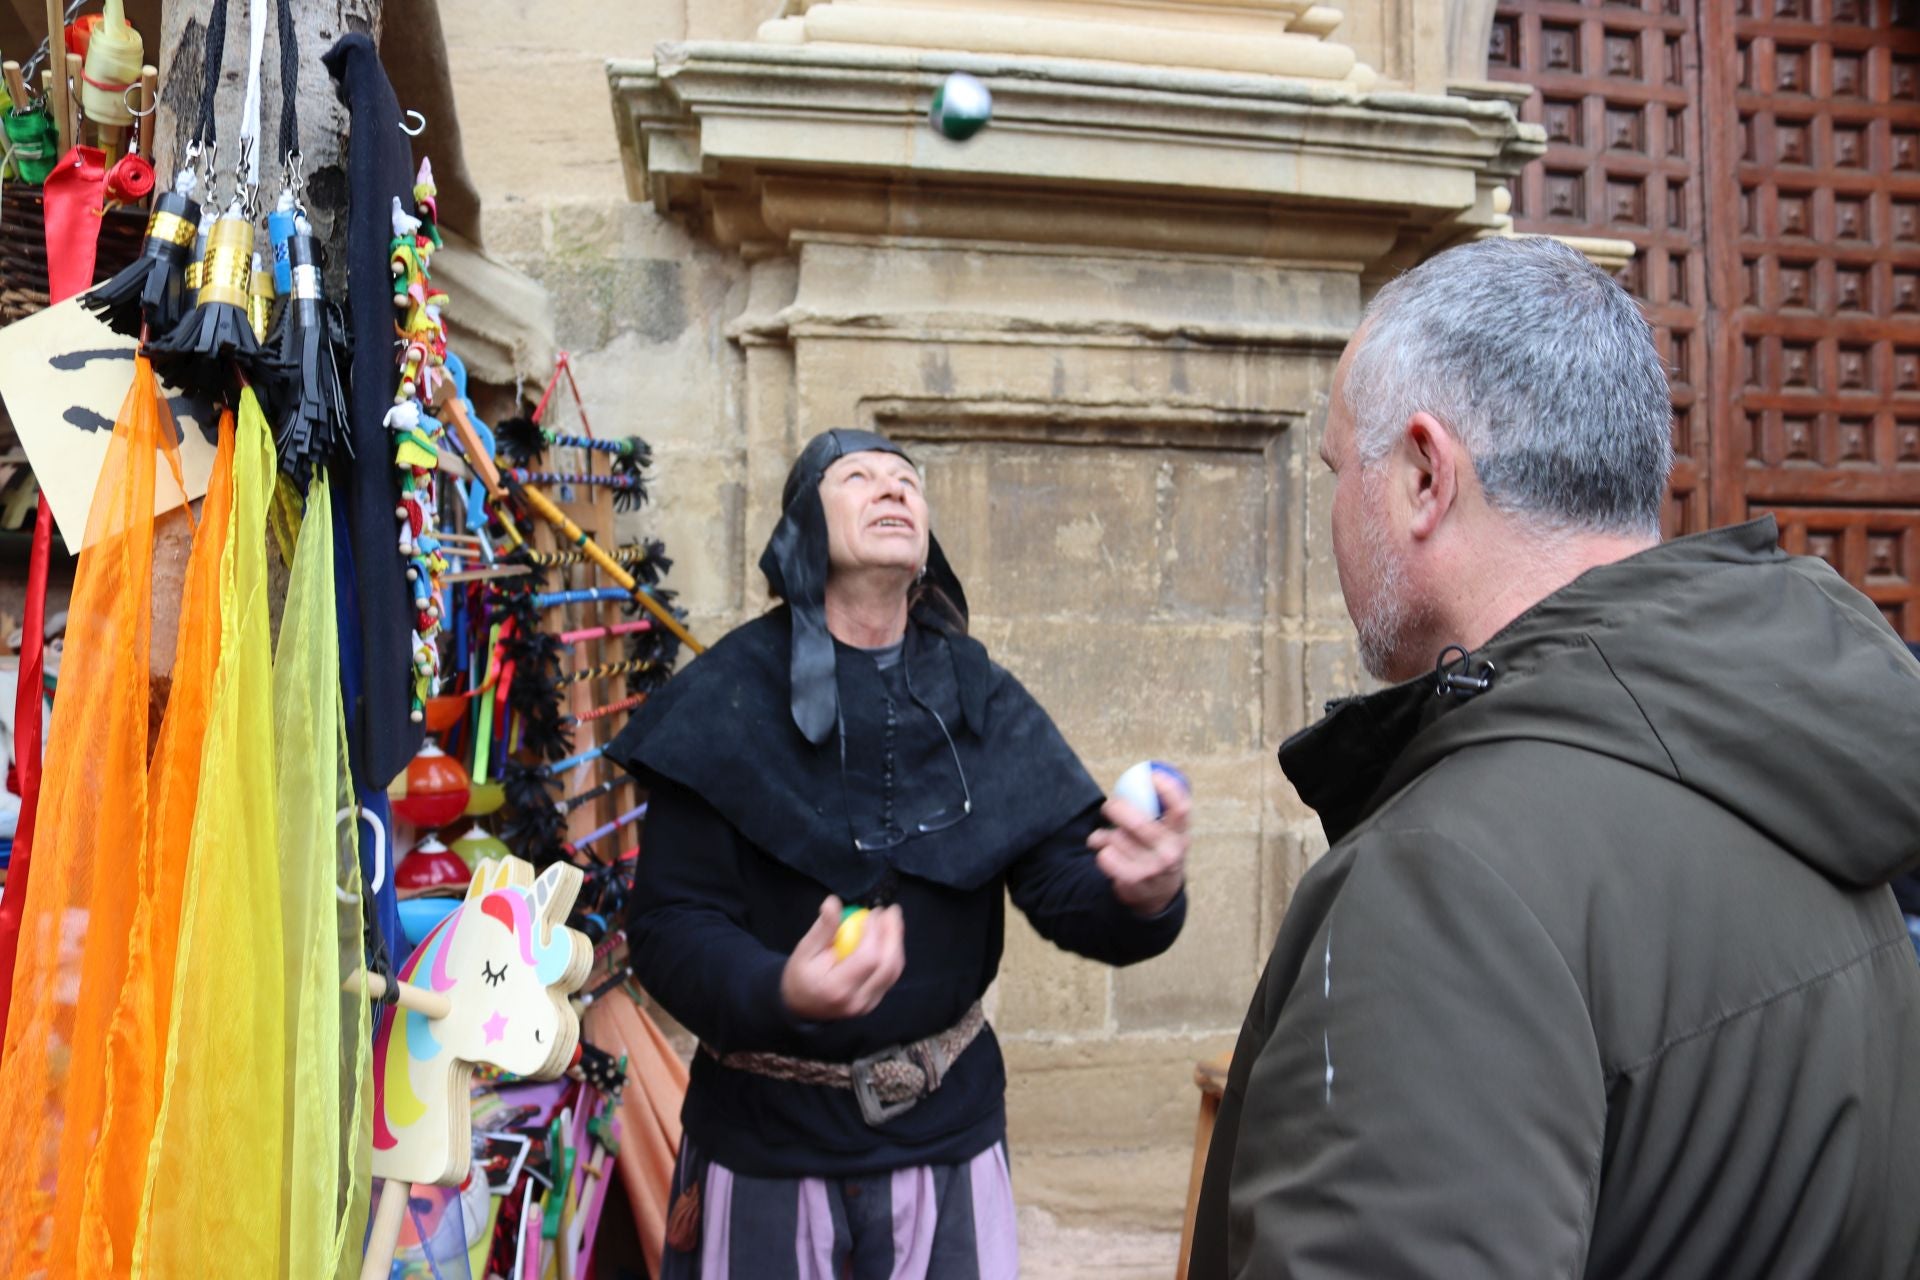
(872, 1109)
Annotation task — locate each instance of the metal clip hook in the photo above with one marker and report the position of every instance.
(296, 179)
(419, 123)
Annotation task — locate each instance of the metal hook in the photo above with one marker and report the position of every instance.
(134, 111)
(296, 180)
(419, 124)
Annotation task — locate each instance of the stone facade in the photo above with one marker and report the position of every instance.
(1106, 327)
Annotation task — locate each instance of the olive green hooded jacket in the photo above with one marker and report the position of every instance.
(1601, 976)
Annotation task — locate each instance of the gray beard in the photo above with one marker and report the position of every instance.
(1392, 621)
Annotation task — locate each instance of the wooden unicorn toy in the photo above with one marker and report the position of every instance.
(488, 985)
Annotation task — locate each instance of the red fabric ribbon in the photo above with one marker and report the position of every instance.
(26, 750)
(73, 192)
(73, 238)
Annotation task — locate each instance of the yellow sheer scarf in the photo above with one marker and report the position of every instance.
(213, 1202)
(312, 795)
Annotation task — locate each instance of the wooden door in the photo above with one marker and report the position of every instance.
(1792, 127)
(1617, 89)
(1814, 196)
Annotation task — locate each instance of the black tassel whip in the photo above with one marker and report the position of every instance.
(215, 339)
(150, 293)
(308, 333)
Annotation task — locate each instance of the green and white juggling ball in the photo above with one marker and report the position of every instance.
(961, 107)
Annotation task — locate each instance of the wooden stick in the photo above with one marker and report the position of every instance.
(477, 458)
(56, 58)
(16, 86)
(149, 94)
(384, 1237)
(608, 565)
(75, 72)
(482, 575)
(430, 1004)
(490, 477)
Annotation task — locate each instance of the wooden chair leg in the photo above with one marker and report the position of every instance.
(1211, 1079)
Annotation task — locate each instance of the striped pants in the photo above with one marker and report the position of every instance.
(927, 1222)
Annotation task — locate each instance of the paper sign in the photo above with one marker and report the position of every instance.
(64, 376)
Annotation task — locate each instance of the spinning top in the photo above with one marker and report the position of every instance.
(431, 868)
(485, 798)
(477, 844)
(961, 107)
(437, 789)
(1136, 785)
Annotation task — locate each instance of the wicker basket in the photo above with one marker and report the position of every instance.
(23, 248)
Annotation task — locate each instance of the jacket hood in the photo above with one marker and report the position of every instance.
(1762, 681)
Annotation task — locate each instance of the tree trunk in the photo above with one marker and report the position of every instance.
(323, 121)
(323, 125)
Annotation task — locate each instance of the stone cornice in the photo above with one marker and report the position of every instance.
(709, 129)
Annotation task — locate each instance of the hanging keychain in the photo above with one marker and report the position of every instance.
(214, 341)
(309, 334)
(130, 179)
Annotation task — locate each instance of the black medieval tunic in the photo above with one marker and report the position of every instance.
(749, 826)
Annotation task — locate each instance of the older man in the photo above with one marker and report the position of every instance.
(1601, 976)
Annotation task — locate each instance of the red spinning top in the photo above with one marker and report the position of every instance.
(437, 789)
(431, 868)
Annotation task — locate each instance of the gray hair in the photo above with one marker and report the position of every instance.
(1540, 364)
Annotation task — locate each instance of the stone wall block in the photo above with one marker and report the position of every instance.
(1216, 548)
(1139, 689)
(516, 232)
(1283, 860)
(1134, 1091)
(699, 517)
(1200, 983)
(1333, 671)
(1046, 991)
(1142, 1186)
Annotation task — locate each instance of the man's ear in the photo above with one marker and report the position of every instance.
(1432, 470)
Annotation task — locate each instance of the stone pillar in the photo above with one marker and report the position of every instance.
(1107, 326)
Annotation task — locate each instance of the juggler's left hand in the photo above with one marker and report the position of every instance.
(1145, 859)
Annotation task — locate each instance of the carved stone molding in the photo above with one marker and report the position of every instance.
(758, 143)
(1270, 37)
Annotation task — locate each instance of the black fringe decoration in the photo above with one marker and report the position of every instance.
(520, 439)
(535, 698)
(533, 827)
(150, 293)
(655, 566)
(632, 462)
(657, 646)
(535, 655)
(513, 601)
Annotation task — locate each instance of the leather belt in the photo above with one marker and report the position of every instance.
(886, 1084)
